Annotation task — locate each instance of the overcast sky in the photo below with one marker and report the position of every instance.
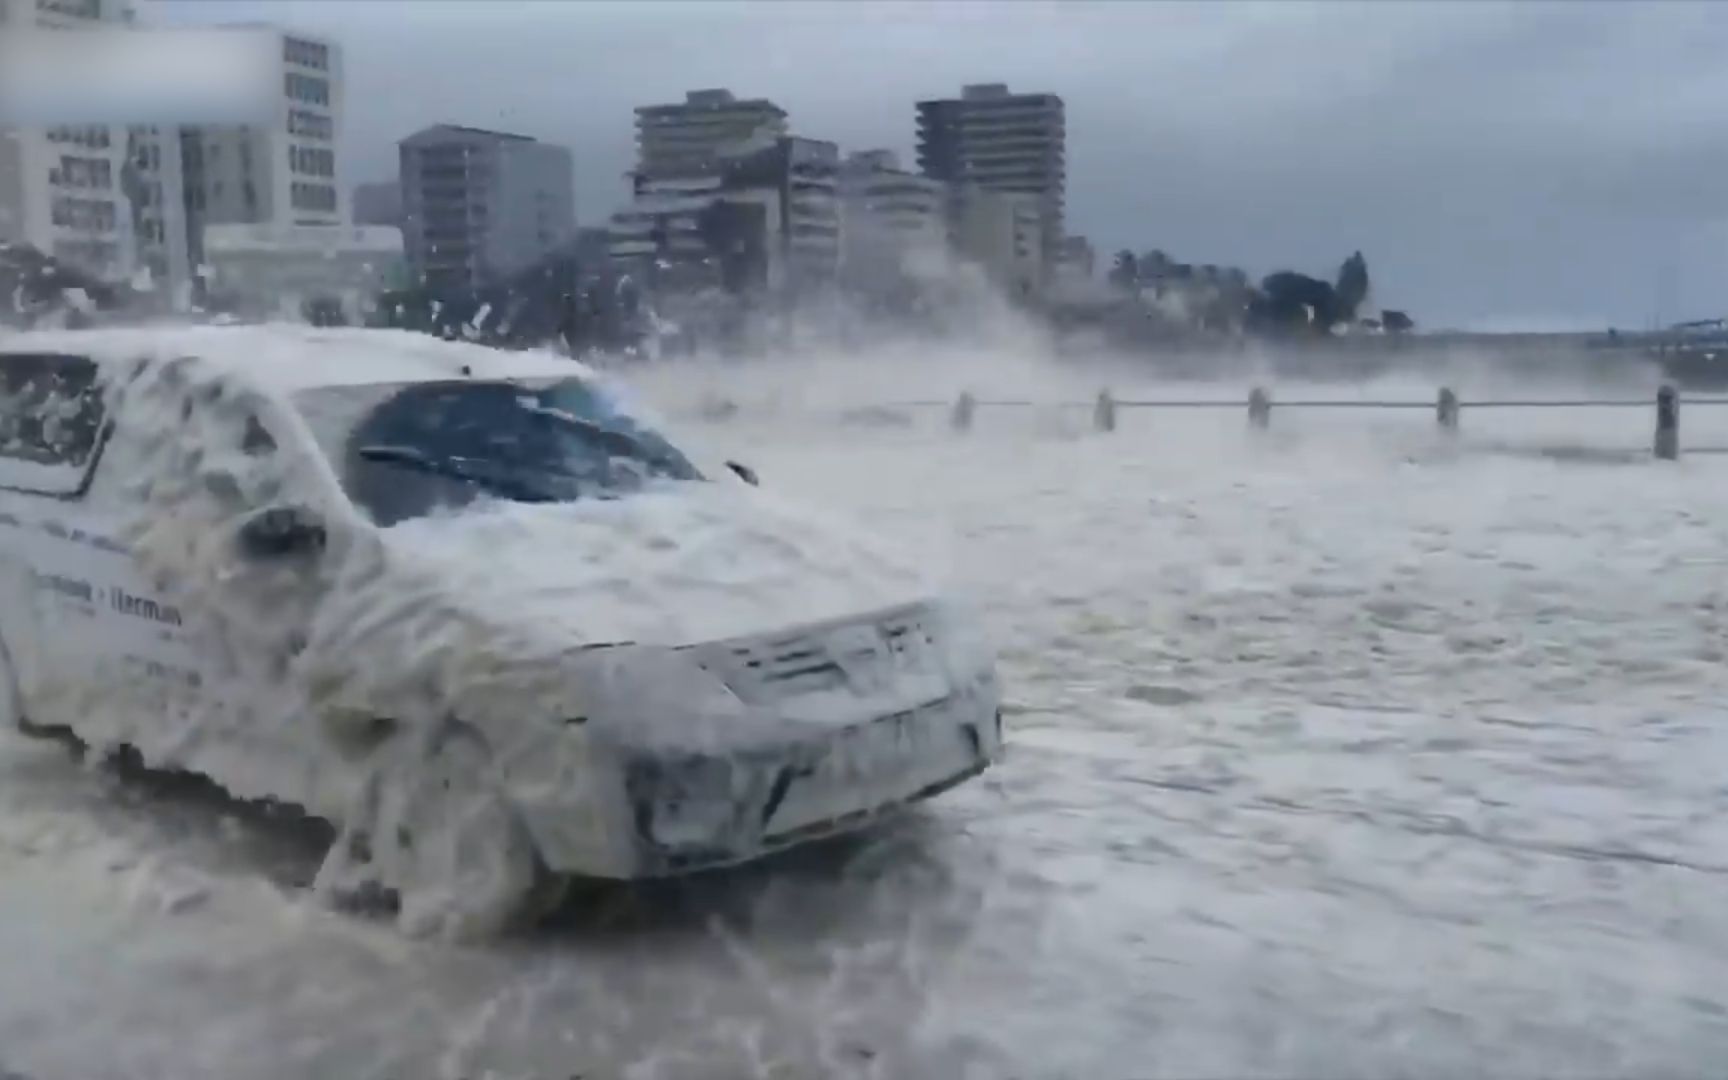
(1526, 164)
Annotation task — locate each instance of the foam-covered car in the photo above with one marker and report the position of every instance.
(471, 606)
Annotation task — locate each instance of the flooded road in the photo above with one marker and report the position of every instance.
(1342, 751)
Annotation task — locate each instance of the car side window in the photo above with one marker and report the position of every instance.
(51, 416)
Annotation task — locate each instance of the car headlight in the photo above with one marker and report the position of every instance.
(664, 699)
(688, 802)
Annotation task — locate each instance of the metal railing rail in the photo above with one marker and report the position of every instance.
(1447, 406)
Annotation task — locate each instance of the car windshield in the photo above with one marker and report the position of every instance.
(443, 445)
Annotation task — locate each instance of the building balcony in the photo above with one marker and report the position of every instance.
(1028, 118)
(998, 150)
(1022, 145)
(984, 172)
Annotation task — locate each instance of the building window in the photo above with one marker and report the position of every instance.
(306, 54)
(83, 215)
(96, 138)
(77, 172)
(309, 125)
(313, 197)
(311, 161)
(78, 9)
(87, 253)
(313, 91)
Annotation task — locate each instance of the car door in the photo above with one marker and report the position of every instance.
(80, 627)
(151, 664)
(235, 506)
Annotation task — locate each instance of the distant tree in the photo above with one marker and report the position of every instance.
(1292, 303)
(1352, 287)
(1397, 322)
(1125, 270)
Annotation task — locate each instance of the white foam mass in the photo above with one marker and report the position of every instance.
(471, 618)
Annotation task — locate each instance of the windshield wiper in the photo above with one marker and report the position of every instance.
(610, 438)
(410, 458)
(620, 443)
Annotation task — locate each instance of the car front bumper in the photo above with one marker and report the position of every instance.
(685, 812)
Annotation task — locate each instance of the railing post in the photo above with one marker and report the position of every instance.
(1446, 411)
(1667, 423)
(1259, 407)
(961, 418)
(1104, 413)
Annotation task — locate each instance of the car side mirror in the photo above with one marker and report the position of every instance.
(282, 531)
(745, 473)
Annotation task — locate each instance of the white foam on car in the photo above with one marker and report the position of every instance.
(475, 614)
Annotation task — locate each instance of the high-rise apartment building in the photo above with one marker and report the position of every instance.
(689, 137)
(135, 201)
(1003, 232)
(284, 170)
(153, 180)
(764, 217)
(880, 197)
(1000, 141)
(892, 222)
(481, 205)
(60, 187)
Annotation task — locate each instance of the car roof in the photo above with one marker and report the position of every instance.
(288, 358)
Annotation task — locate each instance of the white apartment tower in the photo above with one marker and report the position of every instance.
(61, 187)
(691, 136)
(879, 197)
(282, 171)
(1001, 141)
(1003, 231)
(116, 200)
(480, 206)
(767, 208)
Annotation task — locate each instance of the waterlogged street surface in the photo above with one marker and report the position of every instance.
(1341, 750)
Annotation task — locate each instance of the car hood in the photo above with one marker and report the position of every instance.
(506, 586)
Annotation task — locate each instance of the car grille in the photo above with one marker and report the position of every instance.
(779, 667)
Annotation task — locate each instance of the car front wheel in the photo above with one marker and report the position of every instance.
(434, 829)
